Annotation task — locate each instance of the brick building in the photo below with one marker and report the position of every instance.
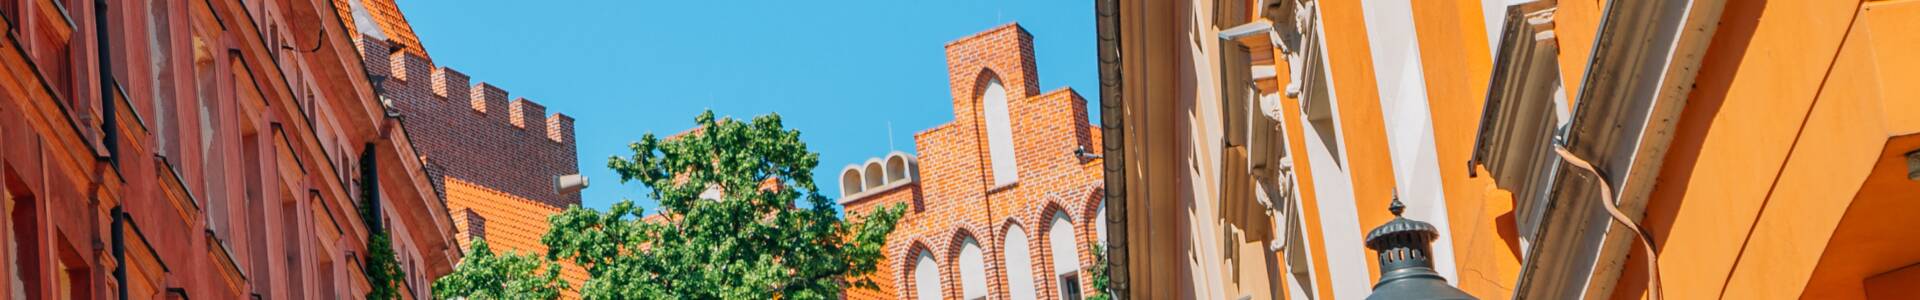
(1001, 202)
(219, 149)
(494, 160)
(233, 149)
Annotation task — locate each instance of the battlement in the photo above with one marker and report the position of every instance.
(403, 68)
(475, 131)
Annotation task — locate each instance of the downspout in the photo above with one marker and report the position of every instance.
(370, 190)
(110, 133)
(119, 252)
(1113, 146)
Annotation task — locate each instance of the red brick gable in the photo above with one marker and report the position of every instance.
(952, 196)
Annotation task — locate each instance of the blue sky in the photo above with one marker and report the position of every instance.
(839, 71)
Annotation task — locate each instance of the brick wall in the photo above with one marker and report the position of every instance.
(954, 197)
(492, 160)
(474, 132)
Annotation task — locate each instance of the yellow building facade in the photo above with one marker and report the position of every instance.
(1764, 148)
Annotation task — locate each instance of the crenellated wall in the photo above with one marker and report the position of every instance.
(465, 130)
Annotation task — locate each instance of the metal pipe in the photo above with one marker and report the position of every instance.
(110, 133)
(1112, 120)
(110, 121)
(119, 252)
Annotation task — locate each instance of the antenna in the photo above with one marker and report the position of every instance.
(890, 136)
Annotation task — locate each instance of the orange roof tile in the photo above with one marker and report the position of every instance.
(508, 222)
(391, 21)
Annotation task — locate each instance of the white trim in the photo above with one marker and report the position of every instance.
(1296, 289)
(1346, 254)
(1408, 122)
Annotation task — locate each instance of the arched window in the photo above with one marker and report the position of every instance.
(993, 101)
(1100, 220)
(1066, 258)
(1019, 264)
(973, 270)
(926, 277)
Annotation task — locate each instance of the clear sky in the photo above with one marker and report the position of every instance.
(839, 71)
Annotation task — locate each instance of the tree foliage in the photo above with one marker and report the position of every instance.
(1097, 273)
(483, 275)
(383, 270)
(739, 218)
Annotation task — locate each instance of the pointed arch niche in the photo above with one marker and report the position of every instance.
(1019, 264)
(994, 110)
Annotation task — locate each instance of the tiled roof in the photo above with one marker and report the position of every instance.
(392, 23)
(508, 222)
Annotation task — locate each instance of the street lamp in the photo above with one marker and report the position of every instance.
(1406, 272)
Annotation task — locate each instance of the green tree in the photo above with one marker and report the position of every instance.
(383, 271)
(740, 218)
(1097, 273)
(483, 275)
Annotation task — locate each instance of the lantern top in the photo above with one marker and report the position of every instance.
(1414, 231)
(1404, 247)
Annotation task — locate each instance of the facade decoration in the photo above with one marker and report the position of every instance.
(1750, 143)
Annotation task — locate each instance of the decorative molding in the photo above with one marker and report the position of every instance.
(1642, 66)
(235, 279)
(1295, 23)
(175, 191)
(1518, 124)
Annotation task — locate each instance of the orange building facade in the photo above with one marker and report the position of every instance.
(203, 149)
(1003, 202)
(1766, 148)
(252, 149)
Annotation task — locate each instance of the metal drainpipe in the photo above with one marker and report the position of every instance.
(370, 185)
(111, 134)
(1112, 120)
(120, 252)
(109, 120)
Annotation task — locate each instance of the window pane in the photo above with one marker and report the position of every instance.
(1070, 286)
